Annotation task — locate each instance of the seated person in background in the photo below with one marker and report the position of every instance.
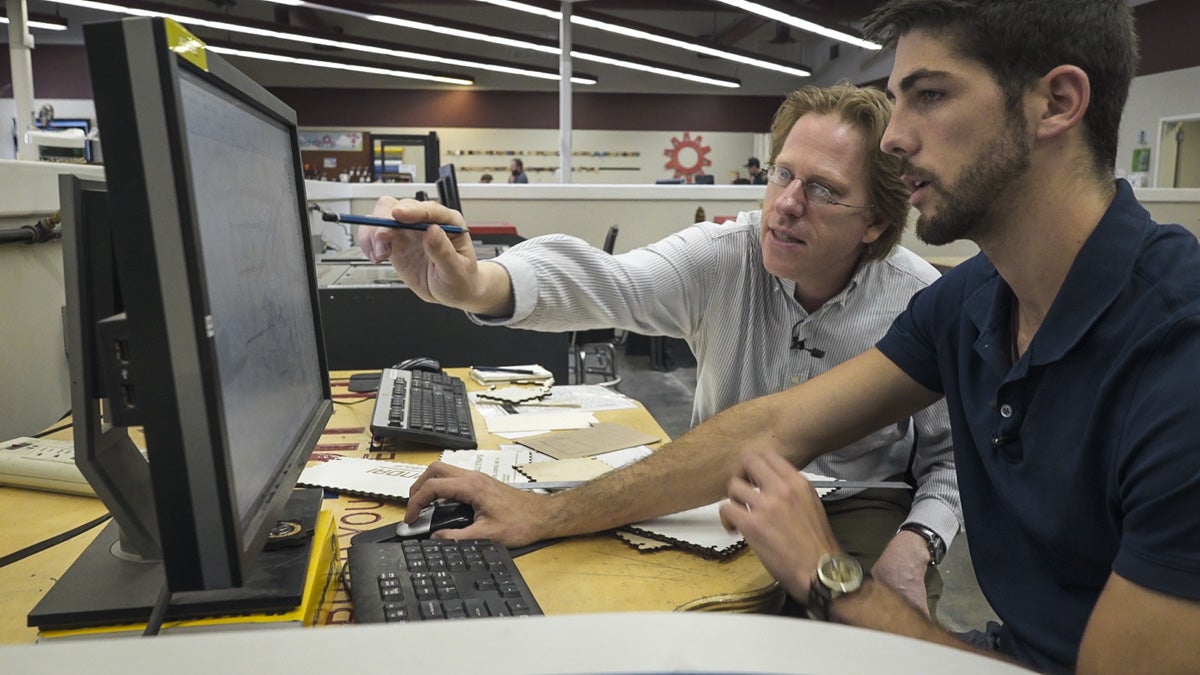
(758, 176)
(485, 178)
(765, 302)
(1068, 351)
(516, 171)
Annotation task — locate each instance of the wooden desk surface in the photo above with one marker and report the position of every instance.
(597, 573)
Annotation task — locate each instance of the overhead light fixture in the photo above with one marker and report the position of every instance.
(262, 29)
(447, 30)
(656, 70)
(41, 21)
(335, 65)
(797, 22)
(415, 22)
(639, 34)
(644, 33)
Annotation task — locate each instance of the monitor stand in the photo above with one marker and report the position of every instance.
(103, 589)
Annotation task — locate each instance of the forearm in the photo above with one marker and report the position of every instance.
(689, 472)
(493, 293)
(936, 503)
(878, 607)
(561, 283)
(799, 423)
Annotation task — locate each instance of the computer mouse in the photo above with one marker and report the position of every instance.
(437, 516)
(420, 363)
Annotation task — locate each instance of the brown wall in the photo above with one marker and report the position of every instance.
(59, 71)
(528, 110)
(1167, 28)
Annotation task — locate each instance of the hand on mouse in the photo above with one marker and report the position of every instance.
(441, 515)
(503, 514)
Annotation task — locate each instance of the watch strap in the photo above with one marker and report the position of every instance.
(821, 596)
(937, 547)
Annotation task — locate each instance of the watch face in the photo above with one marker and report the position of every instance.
(841, 573)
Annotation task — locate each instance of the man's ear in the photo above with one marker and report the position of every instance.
(875, 230)
(1062, 97)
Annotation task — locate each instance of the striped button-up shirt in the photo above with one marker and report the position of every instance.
(707, 285)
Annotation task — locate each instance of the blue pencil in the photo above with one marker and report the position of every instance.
(383, 222)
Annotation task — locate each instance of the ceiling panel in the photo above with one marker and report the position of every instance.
(695, 21)
(704, 22)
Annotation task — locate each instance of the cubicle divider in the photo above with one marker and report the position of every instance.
(371, 327)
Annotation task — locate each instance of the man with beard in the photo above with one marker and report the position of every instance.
(1068, 350)
(812, 280)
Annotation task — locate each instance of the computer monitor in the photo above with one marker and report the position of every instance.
(447, 187)
(705, 179)
(192, 306)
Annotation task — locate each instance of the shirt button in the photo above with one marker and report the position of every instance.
(1006, 411)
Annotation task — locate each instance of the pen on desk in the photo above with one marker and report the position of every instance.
(496, 369)
(383, 222)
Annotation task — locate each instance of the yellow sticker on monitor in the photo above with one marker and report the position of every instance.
(188, 46)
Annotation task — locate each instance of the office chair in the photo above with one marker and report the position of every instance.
(594, 351)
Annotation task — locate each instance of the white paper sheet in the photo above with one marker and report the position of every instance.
(373, 477)
(540, 422)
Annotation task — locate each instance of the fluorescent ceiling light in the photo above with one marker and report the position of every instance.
(336, 65)
(308, 39)
(522, 7)
(466, 34)
(639, 34)
(744, 59)
(42, 22)
(647, 68)
(783, 17)
(456, 32)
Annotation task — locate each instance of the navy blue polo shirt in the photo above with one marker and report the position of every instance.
(1083, 458)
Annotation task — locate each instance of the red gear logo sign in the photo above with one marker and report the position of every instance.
(688, 157)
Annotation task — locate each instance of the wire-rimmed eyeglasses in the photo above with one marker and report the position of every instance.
(814, 192)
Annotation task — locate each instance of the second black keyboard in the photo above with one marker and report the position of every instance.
(423, 407)
(418, 580)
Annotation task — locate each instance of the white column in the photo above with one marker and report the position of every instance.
(564, 94)
(20, 45)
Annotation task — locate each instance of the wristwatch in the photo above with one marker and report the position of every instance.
(937, 547)
(836, 575)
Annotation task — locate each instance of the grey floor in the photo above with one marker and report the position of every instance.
(668, 396)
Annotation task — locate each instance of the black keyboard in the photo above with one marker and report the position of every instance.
(423, 407)
(419, 580)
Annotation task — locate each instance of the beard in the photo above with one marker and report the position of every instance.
(967, 206)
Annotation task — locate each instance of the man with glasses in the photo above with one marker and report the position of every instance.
(782, 295)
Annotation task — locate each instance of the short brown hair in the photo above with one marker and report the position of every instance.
(1019, 41)
(868, 110)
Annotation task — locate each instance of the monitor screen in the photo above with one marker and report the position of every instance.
(255, 278)
(221, 355)
(82, 124)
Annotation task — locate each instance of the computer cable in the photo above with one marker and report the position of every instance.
(159, 612)
(52, 541)
(57, 429)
